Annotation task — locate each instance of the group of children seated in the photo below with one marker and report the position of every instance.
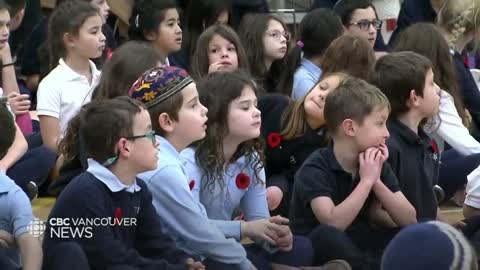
(258, 154)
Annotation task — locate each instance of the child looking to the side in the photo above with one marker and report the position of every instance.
(158, 23)
(179, 119)
(227, 165)
(407, 79)
(341, 190)
(75, 36)
(117, 136)
(292, 130)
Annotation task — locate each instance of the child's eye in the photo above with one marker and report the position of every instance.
(231, 49)
(213, 50)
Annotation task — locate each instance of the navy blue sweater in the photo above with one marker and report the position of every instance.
(142, 247)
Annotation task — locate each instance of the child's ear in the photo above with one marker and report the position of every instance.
(413, 100)
(165, 122)
(348, 127)
(69, 40)
(122, 148)
(150, 35)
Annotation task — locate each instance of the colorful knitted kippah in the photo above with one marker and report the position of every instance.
(158, 84)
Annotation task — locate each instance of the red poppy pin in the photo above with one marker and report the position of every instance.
(118, 216)
(191, 184)
(434, 146)
(274, 139)
(242, 181)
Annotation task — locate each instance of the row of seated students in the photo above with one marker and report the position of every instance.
(211, 163)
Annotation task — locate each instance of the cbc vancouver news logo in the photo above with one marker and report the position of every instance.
(36, 227)
(78, 228)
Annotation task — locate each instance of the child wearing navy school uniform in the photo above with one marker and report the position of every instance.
(406, 78)
(228, 167)
(292, 131)
(341, 190)
(118, 137)
(178, 119)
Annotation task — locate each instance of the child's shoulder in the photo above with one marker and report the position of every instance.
(320, 160)
(188, 154)
(82, 186)
(7, 185)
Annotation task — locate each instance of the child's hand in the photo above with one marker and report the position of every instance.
(193, 265)
(216, 67)
(369, 165)
(274, 197)
(261, 229)
(19, 104)
(383, 152)
(285, 238)
(6, 239)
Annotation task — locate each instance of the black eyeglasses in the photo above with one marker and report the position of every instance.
(149, 135)
(365, 24)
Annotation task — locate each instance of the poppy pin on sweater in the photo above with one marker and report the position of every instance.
(118, 216)
(191, 184)
(242, 181)
(274, 139)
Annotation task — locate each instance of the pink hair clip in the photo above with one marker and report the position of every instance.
(300, 44)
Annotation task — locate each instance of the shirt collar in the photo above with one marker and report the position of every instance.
(310, 66)
(109, 179)
(332, 160)
(405, 132)
(166, 148)
(71, 75)
(6, 184)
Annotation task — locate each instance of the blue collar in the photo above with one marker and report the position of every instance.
(166, 148)
(311, 67)
(109, 179)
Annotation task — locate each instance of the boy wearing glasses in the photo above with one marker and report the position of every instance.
(179, 119)
(359, 18)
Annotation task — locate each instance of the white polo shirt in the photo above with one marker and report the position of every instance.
(473, 189)
(63, 92)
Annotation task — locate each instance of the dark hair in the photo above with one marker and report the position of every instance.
(397, 74)
(199, 15)
(170, 106)
(251, 32)
(293, 121)
(427, 40)
(349, 54)
(14, 6)
(317, 30)
(200, 63)
(128, 62)
(99, 125)
(68, 17)
(345, 8)
(353, 99)
(8, 127)
(146, 17)
(216, 92)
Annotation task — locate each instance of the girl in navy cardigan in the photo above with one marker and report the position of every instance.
(292, 130)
